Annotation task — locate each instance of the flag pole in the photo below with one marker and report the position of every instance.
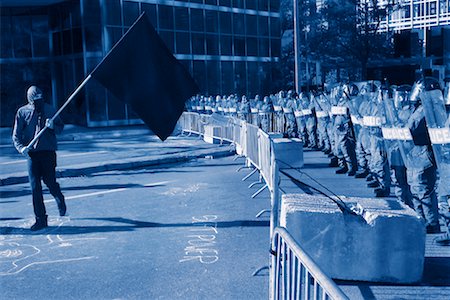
(72, 96)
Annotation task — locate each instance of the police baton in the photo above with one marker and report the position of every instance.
(72, 96)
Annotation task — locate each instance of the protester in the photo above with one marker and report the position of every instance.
(41, 156)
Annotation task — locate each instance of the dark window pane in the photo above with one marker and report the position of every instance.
(212, 44)
(57, 50)
(263, 5)
(252, 79)
(225, 22)
(263, 47)
(187, 65)
(168, 38)
(40, 36)
(183, 45)
(274, 5)
(275, 30)
(165, 16)
(252, 26)
(252, 4)
(226, 45)
(225, 2)
(22, 36)
(212, 21)
(197, 1)
(239, 46)
(77, 40)
(252, 46)
(238, 3)
(276, 47)
(197, 20)
(227, 77)
(113, 35)
(198, 43)
(91, 12)
(181, 18)
(6, 37)
(263, 25)
(240, 77)
(213, 2)
(150, 11)
(75, 15)
(238, 24)
(112, 12)
(212, 69)
(130, 12)
(67, 42)
(93, 38)
(200, 75)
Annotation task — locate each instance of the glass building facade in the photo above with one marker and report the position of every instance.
(229, 46)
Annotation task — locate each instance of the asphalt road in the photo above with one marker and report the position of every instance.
(185, 231)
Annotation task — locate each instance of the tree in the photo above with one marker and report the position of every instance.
(346, 34)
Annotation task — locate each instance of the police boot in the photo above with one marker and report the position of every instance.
(373, 184)
(382, 192)
(370, 177)
(41, 223)
(352, 172)
(362, 174)
(342, 170)
(334, 162)
(61, 206)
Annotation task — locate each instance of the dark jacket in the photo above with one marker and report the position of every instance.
(26, 127)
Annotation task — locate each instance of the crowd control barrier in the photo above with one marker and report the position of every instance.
(293, 274)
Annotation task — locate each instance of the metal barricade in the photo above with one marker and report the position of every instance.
(264, 154)
(295, 274)
(252, 144)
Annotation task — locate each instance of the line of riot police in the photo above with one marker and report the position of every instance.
(394, 136)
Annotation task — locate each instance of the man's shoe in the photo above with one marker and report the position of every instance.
(379, 193)
(342, 170)
(41, 223)
(373, 184)
(362, 174)
(433, 228)
(61, 206)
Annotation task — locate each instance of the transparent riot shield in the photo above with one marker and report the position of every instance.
(397, 137)
(438, 123)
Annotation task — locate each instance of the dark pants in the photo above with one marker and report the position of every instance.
(41, 165)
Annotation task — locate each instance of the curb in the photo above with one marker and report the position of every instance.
(122, 165)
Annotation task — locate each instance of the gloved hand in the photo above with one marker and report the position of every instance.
(49, 123)
(24, 151)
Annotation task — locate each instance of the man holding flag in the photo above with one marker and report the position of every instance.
(41, 156)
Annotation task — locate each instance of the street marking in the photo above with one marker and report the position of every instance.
(201, 245)
(110, 191)
(59, 156)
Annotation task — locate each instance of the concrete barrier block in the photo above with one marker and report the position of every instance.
(211, 134)
(385, 244)
(288, 152)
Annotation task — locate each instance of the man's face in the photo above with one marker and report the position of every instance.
(39, 104)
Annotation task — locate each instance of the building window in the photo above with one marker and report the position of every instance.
(226, 45)
(198, 43)
(238, 24)
(212, 21)
(225, 22)
(197, 20)
(165, 17)
(181, 18)
(130, 12)
(183, 43)
(212, 44)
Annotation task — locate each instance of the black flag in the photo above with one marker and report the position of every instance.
(141, 71)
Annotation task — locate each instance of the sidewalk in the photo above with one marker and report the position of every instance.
(112, 148)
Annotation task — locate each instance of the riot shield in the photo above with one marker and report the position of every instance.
(397, 137)
(438, 124)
